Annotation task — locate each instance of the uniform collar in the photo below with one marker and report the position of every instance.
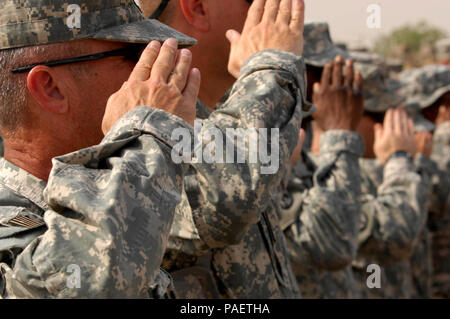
(23, 183)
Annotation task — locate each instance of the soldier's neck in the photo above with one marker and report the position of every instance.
(211, 94)
(215, 82)
(28, 158)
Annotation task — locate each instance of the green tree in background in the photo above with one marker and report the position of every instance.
(414, 44)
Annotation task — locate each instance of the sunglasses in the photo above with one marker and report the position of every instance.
(131, 52)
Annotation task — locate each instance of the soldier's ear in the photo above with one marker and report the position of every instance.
(196, 13)
(47, 90)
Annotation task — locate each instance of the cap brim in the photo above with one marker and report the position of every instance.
(421, 124)
(428, 101)
(320, 60)
(386, 99)
(382, 103)
(143, 32)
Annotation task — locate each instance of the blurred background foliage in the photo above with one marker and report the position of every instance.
(415, 44)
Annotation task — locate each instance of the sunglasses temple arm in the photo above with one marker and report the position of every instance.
(92, 57)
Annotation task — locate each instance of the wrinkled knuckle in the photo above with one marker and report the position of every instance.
(173, 91)
(144, 65)
(347, 88)
(129, 84)
(266, 24)
(335, 89)
(155, 81)
(177, 77)
(170, 49)
(156, 84)
(112, 97)
(165, 66)
(259, 11)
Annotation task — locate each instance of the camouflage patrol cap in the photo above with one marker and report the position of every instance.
(421, 124)
(34, 22)
(443, 49)
(423, 87)
(380, 92)
(394, 66)
(370, 59)
(367, 57)
(319, 49)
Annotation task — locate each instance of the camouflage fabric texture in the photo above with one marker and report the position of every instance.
(107, 209)
(422, 267)
(320, 217)
(380, 92)
(256, 267)
(225, 211)
(34, 22)
(319, 49)
(421, 261)
(424, 86)
(373, 59)
(259, 265)
(421, 124)
(439, 216)
(393, 218)
(390, 67)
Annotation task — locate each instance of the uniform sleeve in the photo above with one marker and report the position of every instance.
(324, 230)
(112, 206)
(441, 146)
(440, 199)
(392, 220)
(1, 146)
(227, 197)
(439, 213)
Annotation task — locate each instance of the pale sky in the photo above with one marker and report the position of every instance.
(347, 18)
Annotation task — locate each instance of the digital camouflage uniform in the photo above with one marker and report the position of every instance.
(421, 88)
(320, 208)
(106, 210)
(393, 203)
(380, 91)
(319, 48)
(226, 239)
(393, 218)
(424, 87)
(321, 214)
(439, 219)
